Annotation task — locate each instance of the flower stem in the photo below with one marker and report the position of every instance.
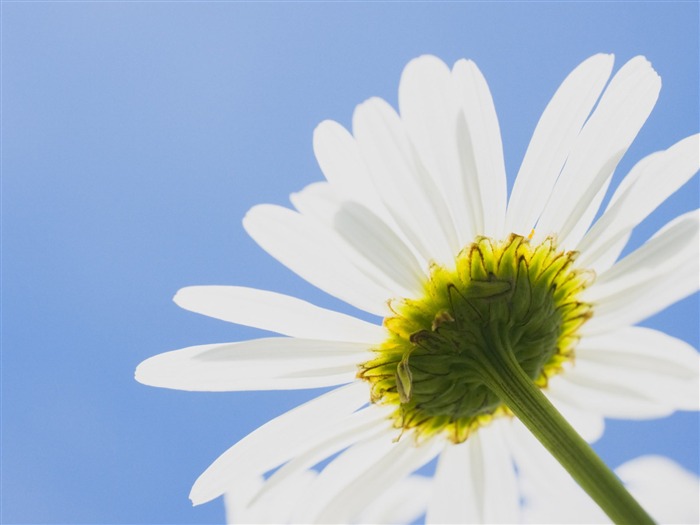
(504, 376)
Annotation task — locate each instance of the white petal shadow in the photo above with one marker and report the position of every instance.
(407, 190)
(374, 246)
(480, 135)
(315, 255)
(430, 110)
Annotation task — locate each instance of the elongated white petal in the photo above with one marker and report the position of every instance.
(621, 112)
(380, 251)
(408, 192)
(664, 270)
(654, 367)
(668, 492)
(475, 481)
(632, 373)
(535, 463)
(342, 163)
(549, 493)
(312, 253)
(430, 110)
(403, 502)
(278, 363)
(274, 508)
(665, 490)
(276, 312)
(501, 498)
(277, 440)
(553, 140)
(589, 424)
(450, 503)
(236, 501)
(611, 400)
(355, 428)
(651, 181)
(359, 475)
(480, 124)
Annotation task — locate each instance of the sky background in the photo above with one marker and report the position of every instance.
(136, 135)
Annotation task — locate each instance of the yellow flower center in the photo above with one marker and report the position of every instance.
(510, 295)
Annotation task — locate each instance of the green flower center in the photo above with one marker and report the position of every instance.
(508, 295)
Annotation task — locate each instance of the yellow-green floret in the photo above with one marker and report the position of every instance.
(509, 296)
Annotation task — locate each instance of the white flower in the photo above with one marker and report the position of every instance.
(406, 191)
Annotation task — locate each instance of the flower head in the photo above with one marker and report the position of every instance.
(509, 293)
(413, 225)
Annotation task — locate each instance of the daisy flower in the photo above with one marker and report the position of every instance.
(491, 306)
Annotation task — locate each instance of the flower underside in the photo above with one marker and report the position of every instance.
(503, 296)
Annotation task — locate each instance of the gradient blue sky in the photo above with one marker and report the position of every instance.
(134, 138)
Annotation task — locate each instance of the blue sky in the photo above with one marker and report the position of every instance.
(136, 135)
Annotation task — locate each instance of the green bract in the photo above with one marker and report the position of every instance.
(508, 296)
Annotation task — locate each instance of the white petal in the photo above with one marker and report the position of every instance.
(610, 400)
(475, 481)
(450, 502)
(651, 181)
(633, 373)
(342, 164)
(276, 312)
(664, 270)
(378, 250)
(532, 459)
(403, 502)
(430, 111)
(501, 498)
(237, 498)
(277, 440)
(278, 363)
(657, 368)
(356, 427)
(340, 159)
(590, 425)
(484, 136)
(621, 112)
(407, 190)
(667, 491)
(553, 140)
(549, 493)
(360, 474)
(276, 507)
(312, 253)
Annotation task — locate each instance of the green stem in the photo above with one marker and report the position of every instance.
(504, 376)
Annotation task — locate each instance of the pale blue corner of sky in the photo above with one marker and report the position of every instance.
(135, 136)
